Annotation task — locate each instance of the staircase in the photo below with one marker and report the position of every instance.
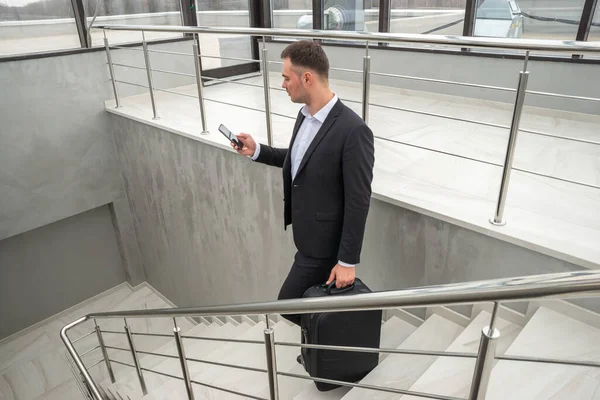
(34, 365)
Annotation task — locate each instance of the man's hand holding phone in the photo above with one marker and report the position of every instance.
(243, 143)
(248, 145)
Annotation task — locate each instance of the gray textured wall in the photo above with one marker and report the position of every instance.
(57, 155)
(557, 77)
(57, 152)
(210, 226)
(58, 160)
(49, 269)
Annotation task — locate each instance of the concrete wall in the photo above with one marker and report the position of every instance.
(57, 153)
(558, 77)
(58, 160)
(210, 225)
(49, 269)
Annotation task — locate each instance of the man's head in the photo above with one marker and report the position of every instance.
(305, 70)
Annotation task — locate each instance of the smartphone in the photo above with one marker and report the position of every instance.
(230, 136)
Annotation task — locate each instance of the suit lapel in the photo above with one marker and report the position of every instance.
(299, 120)
(333, 114)
(288, 159)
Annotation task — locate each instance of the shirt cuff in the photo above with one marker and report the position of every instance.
(343, 264)
(256, 152)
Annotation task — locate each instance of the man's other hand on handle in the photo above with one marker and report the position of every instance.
(344, 276)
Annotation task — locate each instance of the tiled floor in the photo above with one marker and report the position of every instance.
(545, 214)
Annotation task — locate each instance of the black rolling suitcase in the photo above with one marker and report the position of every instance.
(354, 328)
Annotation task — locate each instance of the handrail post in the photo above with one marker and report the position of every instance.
(183, 361)
(136, 361)
(265, 73)
(366, 84)
(497, 219)
(271, 363)
(149, 73)
(484, 363)
(104, 353)
(199, 85)
(111, 70)
(86, 375)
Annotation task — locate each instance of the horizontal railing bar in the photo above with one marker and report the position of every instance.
(206, 99)
(162, 373)
(235, 105)
(231, 58)
(131, 83)
(227, 365)
(151, 334)
(177, 93)
(231, 81)
(345, 70)
(546, 286)
(526, 171)
(128, 66)
(228, 390)
(370, 387)
(437, 151)
(351, 101)
(115, 332)
(223, 340)
(175, 53)
(172, 72)
(83, 337)
(568, 46)
(549, 361)
(117, 348)
(89, 351)
(275, 62)
(120, 362)
(432, 114)
(569, 138)
(94, 364)
(283, 115)
(157, 354)
(379, 350)
(125, 48)
(277, 89)
(565, 96)
(417, 78)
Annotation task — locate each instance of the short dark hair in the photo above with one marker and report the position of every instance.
(308, 54)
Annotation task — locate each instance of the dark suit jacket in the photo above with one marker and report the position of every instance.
(328, 201)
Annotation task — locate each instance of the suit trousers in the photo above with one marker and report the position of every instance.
(305, 273)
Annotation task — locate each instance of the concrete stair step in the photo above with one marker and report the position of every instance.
(194, 349)
(549, 334)
(50, 368)
(393, 332)
(451, 376)
(249, 355)
(148, 361)
(400, 371)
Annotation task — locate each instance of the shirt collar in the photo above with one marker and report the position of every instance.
(323, 112)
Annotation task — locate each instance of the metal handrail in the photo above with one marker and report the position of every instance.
(504, 289)
(566, 46)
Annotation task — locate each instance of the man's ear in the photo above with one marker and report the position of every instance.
(307, 77)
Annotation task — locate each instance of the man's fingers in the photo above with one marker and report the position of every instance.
(331, 277)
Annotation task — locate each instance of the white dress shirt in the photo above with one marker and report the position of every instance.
(306, 134)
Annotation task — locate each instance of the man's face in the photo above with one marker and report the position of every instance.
(293, 83)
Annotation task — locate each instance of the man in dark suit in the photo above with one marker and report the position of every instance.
(327, 174)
